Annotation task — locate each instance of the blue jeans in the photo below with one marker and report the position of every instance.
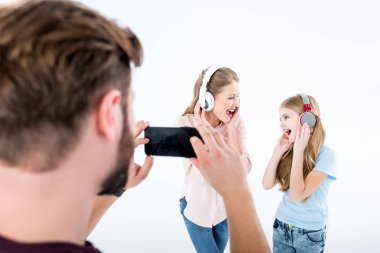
(287, 238)
(206, 240)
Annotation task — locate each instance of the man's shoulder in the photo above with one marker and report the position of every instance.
(10, 246)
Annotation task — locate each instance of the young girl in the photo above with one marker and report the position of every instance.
(304, 167)
(215, 103)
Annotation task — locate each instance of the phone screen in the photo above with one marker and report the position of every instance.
(170, 141)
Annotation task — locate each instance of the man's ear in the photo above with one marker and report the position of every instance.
(109, 114)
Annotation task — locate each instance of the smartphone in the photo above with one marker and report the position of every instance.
(170, 141)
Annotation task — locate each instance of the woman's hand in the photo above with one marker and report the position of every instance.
(232, 123)
(200, 115)
(232, 134)
(302, 139)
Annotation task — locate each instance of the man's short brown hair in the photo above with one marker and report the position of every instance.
(57, 59)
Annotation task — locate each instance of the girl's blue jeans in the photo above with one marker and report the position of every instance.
(287, 238)
(206, 240)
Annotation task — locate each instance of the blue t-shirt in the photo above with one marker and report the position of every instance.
(312, 213)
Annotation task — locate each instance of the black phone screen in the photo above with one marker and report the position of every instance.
(170, 141)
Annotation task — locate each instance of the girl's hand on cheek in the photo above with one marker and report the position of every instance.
(283, 143)
(302, 139)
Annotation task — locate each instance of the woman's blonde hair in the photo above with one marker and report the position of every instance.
(316, 141)
(222, 77)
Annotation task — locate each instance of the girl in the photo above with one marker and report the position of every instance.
(215, 103)
(304, 167)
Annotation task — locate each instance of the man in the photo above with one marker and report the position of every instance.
(66, 131)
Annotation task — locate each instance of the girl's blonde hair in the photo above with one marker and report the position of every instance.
(316, 141)
(222, 77)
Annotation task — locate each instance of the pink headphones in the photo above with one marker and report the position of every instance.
(307, 117)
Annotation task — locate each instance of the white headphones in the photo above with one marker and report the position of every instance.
(206, 99)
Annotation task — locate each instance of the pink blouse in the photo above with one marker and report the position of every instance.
(205, 206)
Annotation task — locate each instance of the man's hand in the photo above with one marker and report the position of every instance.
(137, 173)
(218, 161)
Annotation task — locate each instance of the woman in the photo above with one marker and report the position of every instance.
(216, 103)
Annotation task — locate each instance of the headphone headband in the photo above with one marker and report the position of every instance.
(205, 80)
(307, 117)
(306, 103)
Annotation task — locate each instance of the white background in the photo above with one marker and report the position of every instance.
(329, 49)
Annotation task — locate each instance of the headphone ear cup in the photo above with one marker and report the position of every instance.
(209, 101)
(308, 118)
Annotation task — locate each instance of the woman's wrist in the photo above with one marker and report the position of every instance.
(277, 154)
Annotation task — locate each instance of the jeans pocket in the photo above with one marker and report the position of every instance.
(316, 235)
(182, 204)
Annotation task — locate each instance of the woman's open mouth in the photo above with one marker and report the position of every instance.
(230, 113)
